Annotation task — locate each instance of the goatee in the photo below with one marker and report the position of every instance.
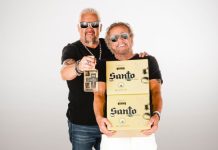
(90, 43)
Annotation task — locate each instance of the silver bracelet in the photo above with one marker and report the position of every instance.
(158, 113)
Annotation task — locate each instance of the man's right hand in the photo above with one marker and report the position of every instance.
(103, 123)
(87, 63)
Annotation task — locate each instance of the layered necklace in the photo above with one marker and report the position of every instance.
(100, 51)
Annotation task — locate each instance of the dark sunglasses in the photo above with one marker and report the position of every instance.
(89, 24)
(114, 38)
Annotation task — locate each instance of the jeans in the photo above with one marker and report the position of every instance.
(84, 137)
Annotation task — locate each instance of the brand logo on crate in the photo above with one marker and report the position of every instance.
(129, 111)
(128, 76)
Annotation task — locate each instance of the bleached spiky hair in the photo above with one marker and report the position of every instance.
(90, 11)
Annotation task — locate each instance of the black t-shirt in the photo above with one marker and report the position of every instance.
(154, 71)
(80, 108)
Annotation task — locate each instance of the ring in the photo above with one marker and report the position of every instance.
(88, 62)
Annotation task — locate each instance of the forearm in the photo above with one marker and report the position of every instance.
(156, 106)
(68, 71)
(156, 95)
(155, 87)
(99, 106)
(99, 103)
(157, 101)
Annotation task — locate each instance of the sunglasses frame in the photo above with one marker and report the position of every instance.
(114, 38)
(84, 25)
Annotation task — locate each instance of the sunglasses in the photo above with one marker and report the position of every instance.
(114, 38)
(89, 24)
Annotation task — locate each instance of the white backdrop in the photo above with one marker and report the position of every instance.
(181, 34)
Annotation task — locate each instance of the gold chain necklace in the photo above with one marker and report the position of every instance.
(100, 51)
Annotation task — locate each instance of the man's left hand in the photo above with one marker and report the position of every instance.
(154, 120)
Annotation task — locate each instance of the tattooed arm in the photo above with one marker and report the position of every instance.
(68, 71)
(69, 67)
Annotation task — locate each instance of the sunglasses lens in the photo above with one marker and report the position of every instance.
(114, 38)
(124, 36)
(95, 24)
(83, 24)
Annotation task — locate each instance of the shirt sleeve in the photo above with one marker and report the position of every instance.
(69, 52)
(154, 71)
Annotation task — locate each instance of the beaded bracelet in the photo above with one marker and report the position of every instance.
(79, 72)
